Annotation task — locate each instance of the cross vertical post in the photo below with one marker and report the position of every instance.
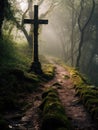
(36, 59)
(36, 65)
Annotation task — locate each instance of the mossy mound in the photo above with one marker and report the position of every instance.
(53, 121)
(49, 91)
(14, 83)
(48, 71)
(53, 107)
(54, 116)
(48, 99)
(87, 93)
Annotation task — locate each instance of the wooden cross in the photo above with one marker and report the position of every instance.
(36, 22)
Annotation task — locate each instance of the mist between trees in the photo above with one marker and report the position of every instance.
(71, 35)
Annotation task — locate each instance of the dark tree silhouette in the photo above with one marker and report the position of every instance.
(5, 12)
(82, 28)
(2, 6)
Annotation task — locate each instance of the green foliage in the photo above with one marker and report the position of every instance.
(14, 78)
(6, 50)
(10, 56)
(32, 77)
(12, 84)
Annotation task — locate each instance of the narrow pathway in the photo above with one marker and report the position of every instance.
(75, 111)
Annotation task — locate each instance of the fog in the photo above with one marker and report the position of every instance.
(71, 33)
(56, 33)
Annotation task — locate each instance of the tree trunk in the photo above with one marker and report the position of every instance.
(79, 49)
(1, 15)
(72, 35)
(82, 28)
(95, 49)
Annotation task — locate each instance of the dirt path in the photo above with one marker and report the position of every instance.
(75, 111)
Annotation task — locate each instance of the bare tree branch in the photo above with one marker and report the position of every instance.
(82, 29)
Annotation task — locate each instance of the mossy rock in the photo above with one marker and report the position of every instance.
(54, 120)
(53, 107)
(89, 91)
(49, 100)
(49, 71)
(86, 97)
(30, 77)
(48, 91)
(53, 95)
(80, 87)
(81, 90)
(78, 91)
(54, 116)
(91, 103)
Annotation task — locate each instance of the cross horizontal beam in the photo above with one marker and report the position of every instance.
(31, 21)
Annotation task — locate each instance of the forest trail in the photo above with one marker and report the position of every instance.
(75, 111)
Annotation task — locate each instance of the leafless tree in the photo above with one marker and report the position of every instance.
(82, 27)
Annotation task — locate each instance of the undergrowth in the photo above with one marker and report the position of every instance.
(15, 81)
(87, 92)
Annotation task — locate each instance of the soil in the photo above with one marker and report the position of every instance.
(75, 110)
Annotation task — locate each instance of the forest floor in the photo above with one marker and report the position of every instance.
(76, 112)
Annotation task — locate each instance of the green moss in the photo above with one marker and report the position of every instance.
(89, 91)
(30, 77)
(53, 94)
(49, 90)
(54, 120)
(48, 100)
(13, 83)
(79, 89)
(54, 116)
(86, 97)
(53, 107)
(49, 71)
(91, 103)
(80, 86)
